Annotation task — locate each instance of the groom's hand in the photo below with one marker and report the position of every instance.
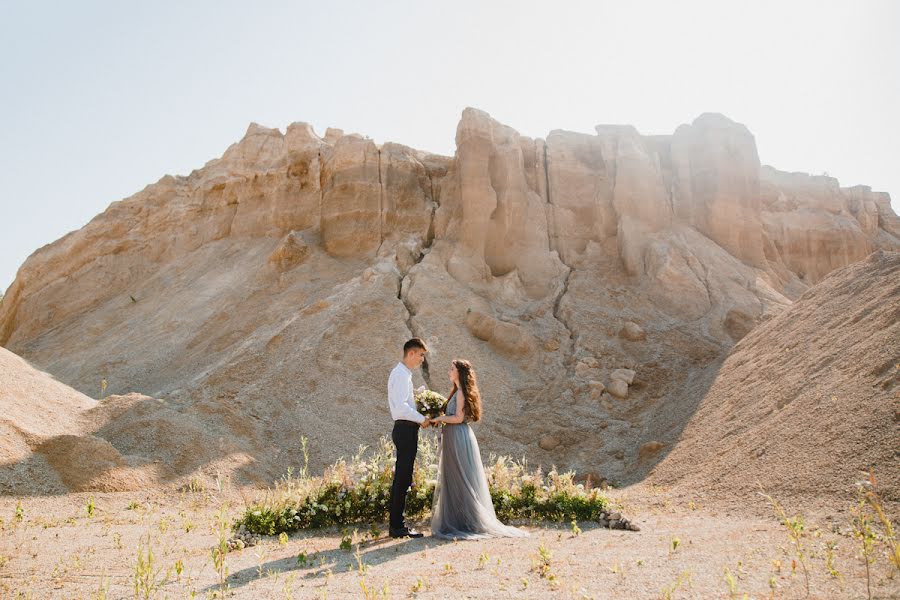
(426, 423)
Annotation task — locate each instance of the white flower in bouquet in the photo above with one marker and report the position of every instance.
(430, 403)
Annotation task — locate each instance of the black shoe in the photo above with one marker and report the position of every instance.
(405, 532)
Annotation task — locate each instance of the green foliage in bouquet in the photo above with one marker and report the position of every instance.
(431, 404)
(359, 491)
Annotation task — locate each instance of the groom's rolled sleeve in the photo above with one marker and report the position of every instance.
(399, 395)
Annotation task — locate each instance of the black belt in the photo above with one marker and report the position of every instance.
(406, 423)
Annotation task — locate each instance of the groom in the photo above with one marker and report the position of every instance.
(407, 421)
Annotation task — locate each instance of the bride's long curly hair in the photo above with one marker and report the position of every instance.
(469, 383)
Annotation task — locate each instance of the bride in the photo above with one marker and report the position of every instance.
(462, 507)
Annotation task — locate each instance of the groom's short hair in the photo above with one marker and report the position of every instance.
(413, 344)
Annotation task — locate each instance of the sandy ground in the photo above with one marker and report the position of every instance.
(807, 401)
(58, 551)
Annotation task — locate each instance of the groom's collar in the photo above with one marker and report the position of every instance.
(405, 368)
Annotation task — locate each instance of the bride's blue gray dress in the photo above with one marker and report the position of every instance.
(462, 507)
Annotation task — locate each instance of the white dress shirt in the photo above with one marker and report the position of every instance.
(400, 395)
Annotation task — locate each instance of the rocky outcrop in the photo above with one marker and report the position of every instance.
(503, 336)
(267, 293)
(495, 214)
(290, 252)
(716, 185)
(351, 197)
(816, 226)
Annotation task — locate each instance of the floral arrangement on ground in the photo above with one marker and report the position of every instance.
(358, 491)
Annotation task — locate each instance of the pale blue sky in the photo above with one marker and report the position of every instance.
(99, 99)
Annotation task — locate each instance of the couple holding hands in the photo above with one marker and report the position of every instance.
(462, 506)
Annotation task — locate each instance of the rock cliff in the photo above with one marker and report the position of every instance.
(588, 277)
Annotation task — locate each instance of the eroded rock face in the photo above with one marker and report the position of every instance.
(716, 185)
(268, 293)
(496, 215)
(816, 226)
(351, 198)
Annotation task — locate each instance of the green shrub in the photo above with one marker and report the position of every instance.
(359, 491)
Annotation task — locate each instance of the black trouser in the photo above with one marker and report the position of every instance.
(406, 439)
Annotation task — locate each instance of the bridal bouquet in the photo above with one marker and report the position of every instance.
(431, 404)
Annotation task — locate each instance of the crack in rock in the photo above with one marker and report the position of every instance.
(402, 277)
(570, 353)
